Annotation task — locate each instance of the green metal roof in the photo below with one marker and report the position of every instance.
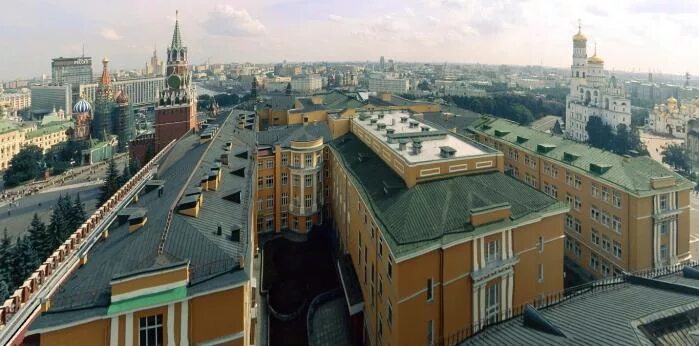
(7, 126)
(437, 212)
(54, 127)
(632, 174)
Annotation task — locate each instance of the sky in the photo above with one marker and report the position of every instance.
(631, 35)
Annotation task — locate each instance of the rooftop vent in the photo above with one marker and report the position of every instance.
(424, 128)
(413, 124)
(402, 143)
(521, 139)
(404, 119)
(500, 133)
(570, 157)
(599, 168)
(373, 121)
(381, 115)
(544, 148)
(417, 146)
(380, 126)
(531, 318)
(486, 127)
(390, 130)
(447, 152)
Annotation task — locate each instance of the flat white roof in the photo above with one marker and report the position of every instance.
(432, 140)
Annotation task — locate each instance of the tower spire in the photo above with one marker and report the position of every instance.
(579, 26)
(105, 72)
(176, 36)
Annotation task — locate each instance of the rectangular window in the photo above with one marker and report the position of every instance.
(605, 269)
(269, 221)
(285, 159)
(380, 247)
(569, 178)
(309, 180)
(605, 194)
(389, 268)
(606, 244)
(285, 199)
(492, 301)
(285, 220)
(617, 199)
(492, 251)
(595, 237)
(259, 204)
(594, 213)
(270, 164)
(595, 191)
(663, 252)
(372, 231)
(309, 224)
(578, 251)
(309, 160)
(569, 199)
(616, 224)
(663, 202)
(605, 219)
(270, 202)
(259, 164)
(285, 178)
(260, 183)
(514, 155)
(663, 228)
(150, 330)
(429, 289)
(269, 181)
(554, 191)
(389, 314)
(578, 226)
(540, 244)
(296, 180)
(430, 332)
(578, 182)
(308, 201)
(380, 287)
(617, 250)
(297, 160)
(569, 221)
(578, 203)
(541, 273)
(569, 244)
(594, 261)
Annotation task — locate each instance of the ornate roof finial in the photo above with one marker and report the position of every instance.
(579, 26)
(595, 48)
(176, 36)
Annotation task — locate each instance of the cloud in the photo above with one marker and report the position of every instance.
(335, 18)
(410, 12)
(110, 34)
(226, 20)
(667, 7)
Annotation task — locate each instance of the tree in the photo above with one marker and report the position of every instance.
(599, 134)
(111, 182)
(125, 175)
(4, 288)
(24, 261)
(622, 141)
(24, 166)
(5, 246)
(58, 224)
(676, 156)
(39, 237)
(423, 85)
(78, 214)
(226, 100)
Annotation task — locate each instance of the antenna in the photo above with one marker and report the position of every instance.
(579, 25)
(83, 49)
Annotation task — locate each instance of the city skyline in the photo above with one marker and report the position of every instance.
(638, 36)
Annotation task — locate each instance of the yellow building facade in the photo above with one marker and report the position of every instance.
(627, 214)
(482, 255)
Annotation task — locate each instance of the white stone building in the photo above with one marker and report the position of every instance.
(383, 83)
(593, 94)
(306, 83)
(670, 119)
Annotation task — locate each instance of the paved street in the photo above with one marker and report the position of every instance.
(17, 217)
(655, 144)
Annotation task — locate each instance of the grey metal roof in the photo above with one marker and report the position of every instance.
(284, 134)
(606, 316)
(87, 291)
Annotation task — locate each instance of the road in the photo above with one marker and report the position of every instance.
(19, 217)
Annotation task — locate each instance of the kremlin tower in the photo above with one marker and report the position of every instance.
(175, 113)
(102, 124)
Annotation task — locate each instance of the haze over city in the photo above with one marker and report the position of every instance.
(631, 35)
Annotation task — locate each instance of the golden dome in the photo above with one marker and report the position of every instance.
(671, 100)
(579, 37)
(595, 60)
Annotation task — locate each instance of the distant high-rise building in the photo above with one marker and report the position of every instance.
(382, 63)
(46, 97)
(592, 93)
(155, 67)
(72, 70)
(177, 108)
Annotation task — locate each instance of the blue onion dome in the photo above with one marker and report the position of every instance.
(81, 106)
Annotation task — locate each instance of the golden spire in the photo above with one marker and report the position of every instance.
(579, 37)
